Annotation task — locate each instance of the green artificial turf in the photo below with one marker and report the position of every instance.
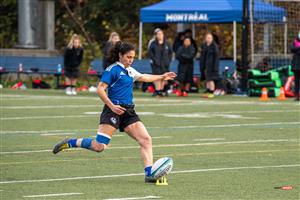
(223, 148)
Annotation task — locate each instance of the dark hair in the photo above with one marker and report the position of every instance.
(188, 30)
(119, 48)
(187, 37)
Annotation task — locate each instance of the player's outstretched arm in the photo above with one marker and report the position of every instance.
(151, 78)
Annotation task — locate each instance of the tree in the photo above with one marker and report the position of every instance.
(8, 25)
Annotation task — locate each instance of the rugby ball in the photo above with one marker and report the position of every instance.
(162, 167)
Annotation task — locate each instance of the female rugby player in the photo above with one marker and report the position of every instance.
(118, 111)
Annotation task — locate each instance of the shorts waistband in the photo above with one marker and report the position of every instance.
(125, 106)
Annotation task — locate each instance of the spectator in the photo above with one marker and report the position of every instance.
(189, 33)
(295, 48)
(150, 42)
(185, 55)
(160, 54)
(113, 38)
(209, 63)
(178, 41)
(72, 60)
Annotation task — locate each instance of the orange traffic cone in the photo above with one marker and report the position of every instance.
(264, 95)
(281, 95)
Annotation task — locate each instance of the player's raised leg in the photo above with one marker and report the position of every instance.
(138, 132)
(103, 138)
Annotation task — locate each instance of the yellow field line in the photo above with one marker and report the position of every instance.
(156, 156)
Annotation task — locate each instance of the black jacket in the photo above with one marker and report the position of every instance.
(209, 60)
(177, 43)
(160, 55)
(194, 43)
(185, 56)
(73, 58)
(296, 57)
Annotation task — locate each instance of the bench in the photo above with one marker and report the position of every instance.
(31, 65)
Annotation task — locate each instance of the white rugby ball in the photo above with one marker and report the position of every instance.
(162, 167)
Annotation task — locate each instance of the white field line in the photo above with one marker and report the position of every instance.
(170, 127)
(234, 168)
(46, 131)
(211, 143)
(57, 134)
(228, 125)
(47, 97)
(204, 115)
(186, 115)
(215, 113)
(164, 145)
(92, 106)
(44, 117)
(47, 107)
(156, 156)
(161, 137)
(11, 97)
(53, 134)
(209, 139)
(135, 198)
(99, 105)
(24, 152)
(142, 174)
(139, 113)
(52, 195)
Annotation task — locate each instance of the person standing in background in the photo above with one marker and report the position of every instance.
(189, 33)
(160, 53)
(72, 59)
(113, 39)
(209, 63)
(185, 55)
(295, 49)
(178, 41)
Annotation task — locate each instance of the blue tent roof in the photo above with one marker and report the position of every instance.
(208, 11)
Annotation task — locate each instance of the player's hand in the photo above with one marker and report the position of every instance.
(119, 110)
(169, 76)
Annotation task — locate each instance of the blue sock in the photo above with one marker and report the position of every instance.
(86, 143)
(72, 142)
(148, 171)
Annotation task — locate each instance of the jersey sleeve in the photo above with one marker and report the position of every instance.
(136, 74)
(109, 76)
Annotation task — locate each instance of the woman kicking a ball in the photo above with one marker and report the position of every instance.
(118, 112)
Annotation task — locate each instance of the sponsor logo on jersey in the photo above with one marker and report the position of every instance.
(122, 73)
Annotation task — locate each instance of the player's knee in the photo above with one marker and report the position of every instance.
(102, 140)
(98, 147)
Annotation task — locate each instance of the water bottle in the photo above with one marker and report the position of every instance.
(59, 69)
(20, 67)
(226, 72)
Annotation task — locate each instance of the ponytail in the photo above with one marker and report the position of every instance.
(119, 48)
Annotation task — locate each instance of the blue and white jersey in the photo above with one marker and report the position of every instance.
(120, 83)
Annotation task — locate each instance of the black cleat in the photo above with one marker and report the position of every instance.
(149, 179)
(61, 146)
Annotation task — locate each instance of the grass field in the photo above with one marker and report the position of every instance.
(223, 148)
